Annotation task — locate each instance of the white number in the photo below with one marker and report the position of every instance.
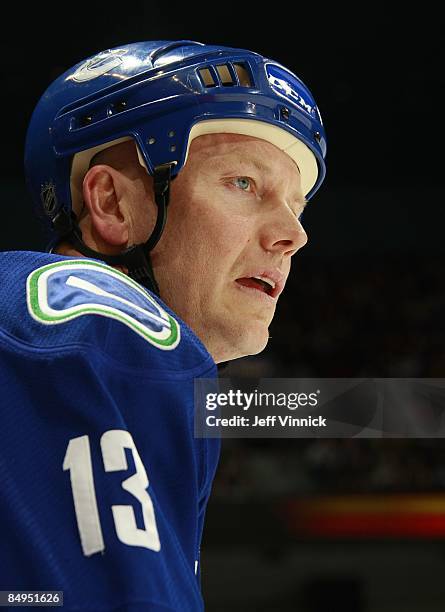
(78, 461)
(113, 443)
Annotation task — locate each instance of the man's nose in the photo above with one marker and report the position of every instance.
(283, 232)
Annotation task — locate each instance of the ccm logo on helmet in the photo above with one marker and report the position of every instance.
(99, 65)
(280, 84)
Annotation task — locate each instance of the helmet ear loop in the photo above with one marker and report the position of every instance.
(136, 258)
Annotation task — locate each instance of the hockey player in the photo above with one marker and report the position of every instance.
(103, 485)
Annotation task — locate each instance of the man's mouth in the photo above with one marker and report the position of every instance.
(264, 285)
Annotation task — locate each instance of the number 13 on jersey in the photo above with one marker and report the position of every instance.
(78, 461)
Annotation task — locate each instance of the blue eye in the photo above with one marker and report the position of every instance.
(243, 182)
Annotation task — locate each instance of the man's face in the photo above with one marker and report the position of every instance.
(233, 215)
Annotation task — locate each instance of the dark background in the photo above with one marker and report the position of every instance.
(365, 297)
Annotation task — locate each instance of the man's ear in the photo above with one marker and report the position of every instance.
(101, 194)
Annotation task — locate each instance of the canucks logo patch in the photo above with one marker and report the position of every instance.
(98, 65)
(64, 290)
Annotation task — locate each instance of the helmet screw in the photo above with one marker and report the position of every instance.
(285, 113)
(151, 140)
(317, 136)
(171, 133)
(173, 148)
(120, 106)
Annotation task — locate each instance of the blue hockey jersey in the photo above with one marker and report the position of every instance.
(103, 486)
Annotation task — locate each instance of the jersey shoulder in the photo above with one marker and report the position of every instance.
(53, 302)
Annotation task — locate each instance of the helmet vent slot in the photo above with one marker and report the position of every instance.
(226, 75)
(207, 78)
(243, 74)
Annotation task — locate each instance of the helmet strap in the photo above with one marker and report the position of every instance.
(136, 258)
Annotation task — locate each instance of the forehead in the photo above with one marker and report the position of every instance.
(241, 148)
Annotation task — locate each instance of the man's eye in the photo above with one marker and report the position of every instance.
(243, 182)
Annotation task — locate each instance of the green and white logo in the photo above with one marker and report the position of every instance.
(65, 290)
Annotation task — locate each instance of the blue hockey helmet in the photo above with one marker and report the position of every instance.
(162, 94)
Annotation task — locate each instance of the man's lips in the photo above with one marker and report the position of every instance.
(270, 281)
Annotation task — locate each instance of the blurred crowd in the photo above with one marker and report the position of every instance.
(265, 469)
(361, 316)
